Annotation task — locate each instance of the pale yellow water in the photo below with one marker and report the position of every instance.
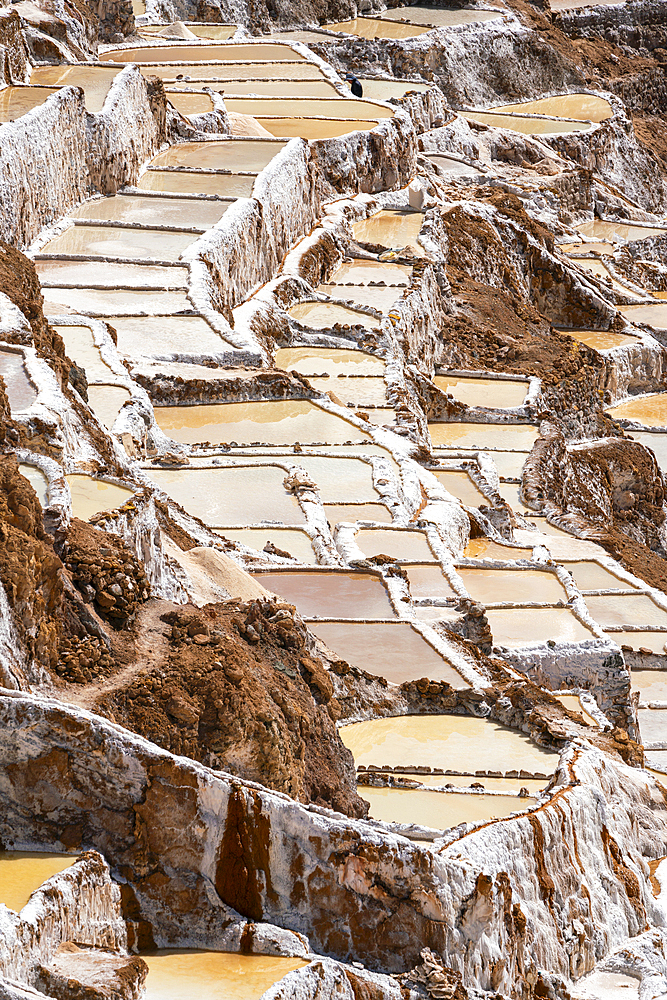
(270, 422)
(182, 182)
(106, 402)
(599, 269)
(396, 652)
(651, 684)
(509, 463)
(37, 480)
(655, 316)
(190, 104)
(330, 595)
(519, 586)
(527, 126)
(108, 302)
(460, 485)
(21, 872)
(378, 297)
(428, 581)
(515, 627)
(460, 742)
(602, 229)
(650, 410)
(215, 31)
(321, 315)
(17, 101)
(162, 335)
(240, 495)
(196, 77)
(230, 154)
(579, 248)
(391, 229)
(638, 610)
(600, 985)
(112, 241)
(430, 613)
(438, 810)
(350, 512)
(572, 703)
(339, 479)
(471, 435)
(583, 106)
(496, 393)
(365, 391)
(80, 347)
(600, 340)
(113, 275)
(439, 17)
(652, 725)
(90, 496)
(507, 785)
(20, 390)
(592, 576)
(95, 81)
(383, 90)
(510, 492)
(365, 272)
(399, 544)
(213, 975)
(655, 641)
(297, 543)
(372, 27)
(336, 107)
(196, 53)
(282, 88)
(546, 528)
(315, 128)
(485, 548)
(187, 213)
(318, 360)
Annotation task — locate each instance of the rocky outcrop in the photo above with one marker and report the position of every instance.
(105, 572)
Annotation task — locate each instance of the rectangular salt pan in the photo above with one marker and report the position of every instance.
(637, 610)
(499, 586)
(107, 302)
(517, 437)
(461, 486)
(231, 154)
(592, 576)
(438, 810)
(185, 213)
(330, 595)
(239, 495)
(174, 975)
(428, 581)
(95, 81)
(217, 75)
(183, 182)
(488, 392)
(365, 391)
(410, 545)
(351, 512)
(165, 336)
(318, 360)
(368, 27)
(196, 53)
(516, 627)
(391, 229)
(339, 478)
(295, 543)
(113, 274)
(112, 241)
(315, 128)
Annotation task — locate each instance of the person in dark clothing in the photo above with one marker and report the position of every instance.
(355, 86)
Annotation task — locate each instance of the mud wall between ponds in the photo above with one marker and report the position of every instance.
(196, 848)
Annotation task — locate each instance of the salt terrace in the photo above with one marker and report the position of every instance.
(333, 444)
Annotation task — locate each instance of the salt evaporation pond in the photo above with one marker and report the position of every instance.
(164, 336)
(372, 27)
(507, 785)
(461, 486)
(516, 627)
(572, 703)
(37, 480)
(518, 437)
(220, 32)
(655, 641)
(321, 315)
(115, 241)
(438, 810)
(20, 390)
(192, 182)
(339, 479)
(256, 52)
(200, 75)
(611, 230)
(330, 595)
(215, 975)
(343, 108)
(652, 725)
(270, 422)
(652, 315)
(149, 210)
(364, 272)
(590, 575)
(234, 495)
(92, 496)
(439, 17)
(631, 609)
(427, 581)
(350, 512)
(446, 164)
(509, 463)
(525, 124)
(229, 154)
(512, 586)
(21, 872)
(109, 301)
(314, 128)
(489, 392)
(650, 410)
(365, 391)
(106, 402)
(380, 297)
(601, 340)
(584, 106)
(390, 229)
(401, 544)
(296, 543)
(113, 274)
(95, 81)
(486, 548)
(190, 104)
(17, 101)
(396, 652)
(600, 985)
(283, 88)
(459, 742)
(320, 360)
